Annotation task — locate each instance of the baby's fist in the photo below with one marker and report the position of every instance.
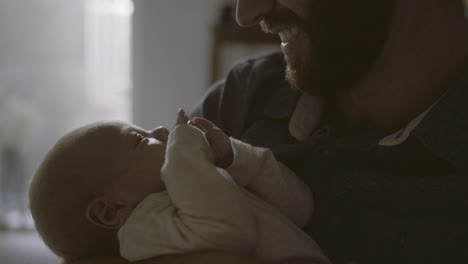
(182, 118)
(219, 142)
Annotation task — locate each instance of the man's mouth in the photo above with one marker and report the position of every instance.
(288, 34)
(294, 39)
(294, 42)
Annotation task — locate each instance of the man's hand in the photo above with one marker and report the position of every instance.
(219, 142)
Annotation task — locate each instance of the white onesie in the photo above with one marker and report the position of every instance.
(256, 207)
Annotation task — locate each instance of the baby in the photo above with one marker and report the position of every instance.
(112, 187)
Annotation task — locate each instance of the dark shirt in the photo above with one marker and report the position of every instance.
(373, 204)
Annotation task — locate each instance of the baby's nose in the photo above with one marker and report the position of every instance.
(160, 133)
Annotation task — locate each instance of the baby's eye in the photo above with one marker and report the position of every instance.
(139, 137)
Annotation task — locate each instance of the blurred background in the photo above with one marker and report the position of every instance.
(66, 63)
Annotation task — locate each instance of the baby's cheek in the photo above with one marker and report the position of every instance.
(159, 186)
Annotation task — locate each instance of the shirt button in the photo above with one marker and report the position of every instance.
(402, 242)
(327, 152)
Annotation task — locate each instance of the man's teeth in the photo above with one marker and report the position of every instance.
(288, 34)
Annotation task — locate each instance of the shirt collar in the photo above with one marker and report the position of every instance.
(308, 112)
(306, 116)
(403, 134)
(443, 128)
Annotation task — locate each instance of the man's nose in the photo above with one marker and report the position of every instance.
(160, 133)
(251, 12)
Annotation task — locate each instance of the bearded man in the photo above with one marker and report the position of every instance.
(372, 115)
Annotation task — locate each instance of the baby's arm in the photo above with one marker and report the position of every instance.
(205, 196)
(203, 211)
(258, 170)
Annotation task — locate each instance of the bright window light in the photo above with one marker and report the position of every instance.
(108, 57)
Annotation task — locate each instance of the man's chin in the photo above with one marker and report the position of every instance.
(291, 77)
(301, 78)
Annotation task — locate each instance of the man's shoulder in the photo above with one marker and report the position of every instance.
(253, 85)
(250, 76)
(260, 83)
(267, 61)
(260, 68)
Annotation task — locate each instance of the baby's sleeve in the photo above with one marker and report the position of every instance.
(207, 212)
(257, 170)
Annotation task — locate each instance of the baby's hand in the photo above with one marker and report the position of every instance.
(219, 142)
(182, 118)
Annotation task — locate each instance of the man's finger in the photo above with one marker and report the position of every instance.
(191, 123)
(213, 133)
(203, 123)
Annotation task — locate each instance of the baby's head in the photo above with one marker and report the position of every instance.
(89, 183)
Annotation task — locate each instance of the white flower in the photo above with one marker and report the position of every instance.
(18, 121)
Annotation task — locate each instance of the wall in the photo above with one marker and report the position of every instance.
(172, 40)
(41, 62)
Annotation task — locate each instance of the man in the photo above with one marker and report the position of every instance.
(373, 118)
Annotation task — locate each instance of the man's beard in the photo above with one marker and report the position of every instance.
(346, 38)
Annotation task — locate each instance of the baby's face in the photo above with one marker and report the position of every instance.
(137, 156)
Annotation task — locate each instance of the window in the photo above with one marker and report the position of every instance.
(107, 53)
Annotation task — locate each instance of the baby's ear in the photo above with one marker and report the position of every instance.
(106, 214)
